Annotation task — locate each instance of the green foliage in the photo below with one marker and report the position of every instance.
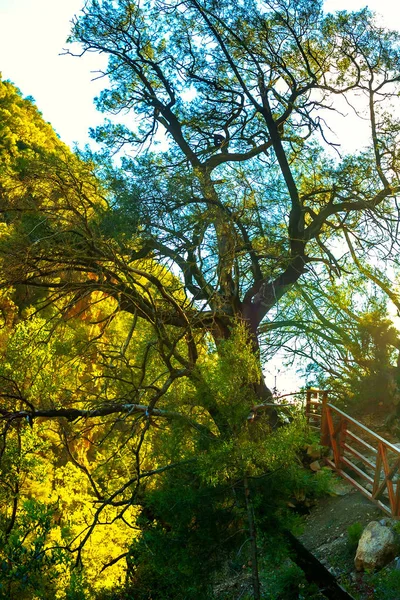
(27, 569)
(386, 584)
(187, 530)
(345, 340)
(193, 523)
(286, 581)
(354, 533)
(154, 282)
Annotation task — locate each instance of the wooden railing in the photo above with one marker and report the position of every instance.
(362, 457)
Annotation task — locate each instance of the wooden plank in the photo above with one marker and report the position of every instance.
(356, 469)
(365, 429)
(315, 571)
(382, 487)
(397, 511)
(308, 399)
(394, 469)
(338, 428)
(332, 439)
(342, 435)
(388, 477)
(361, 441)
(316, 415)
(360, 456)
(376, 488)
(324, 439)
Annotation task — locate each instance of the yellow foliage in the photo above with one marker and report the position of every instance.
(66, 487)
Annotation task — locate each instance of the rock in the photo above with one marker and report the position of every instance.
(315, 466)
(378, 546)
(388, 522)
(340, 487)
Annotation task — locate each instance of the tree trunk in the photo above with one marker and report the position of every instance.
(221, 332)
(253, 541)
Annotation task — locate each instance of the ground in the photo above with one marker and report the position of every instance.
(326, 530)
(328, 522)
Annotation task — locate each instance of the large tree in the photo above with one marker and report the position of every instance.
(247, 197)
(108, 407)
(197, 240)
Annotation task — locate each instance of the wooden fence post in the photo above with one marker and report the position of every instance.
(342, 439)
(324, 440)
(308, 405)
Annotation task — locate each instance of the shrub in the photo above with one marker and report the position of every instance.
(354, 533)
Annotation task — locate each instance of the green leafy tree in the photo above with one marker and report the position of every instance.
(244, 219)
(187, 250)
(341, 337)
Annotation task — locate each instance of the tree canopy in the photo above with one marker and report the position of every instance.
(265, 205)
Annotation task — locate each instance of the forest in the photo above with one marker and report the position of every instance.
(221, 224)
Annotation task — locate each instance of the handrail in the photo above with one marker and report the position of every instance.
(378, 469)
(366, 429)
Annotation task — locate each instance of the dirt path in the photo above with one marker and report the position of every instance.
(326, 534)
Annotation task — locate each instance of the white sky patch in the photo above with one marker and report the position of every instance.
(33, 34)
(388, 9)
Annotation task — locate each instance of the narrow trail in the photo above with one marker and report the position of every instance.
(325, 534)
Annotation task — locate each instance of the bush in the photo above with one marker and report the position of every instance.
(354, 533)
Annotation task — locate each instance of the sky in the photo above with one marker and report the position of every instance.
(32, 38)
(33, 34)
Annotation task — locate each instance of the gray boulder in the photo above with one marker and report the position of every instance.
(378, 546)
